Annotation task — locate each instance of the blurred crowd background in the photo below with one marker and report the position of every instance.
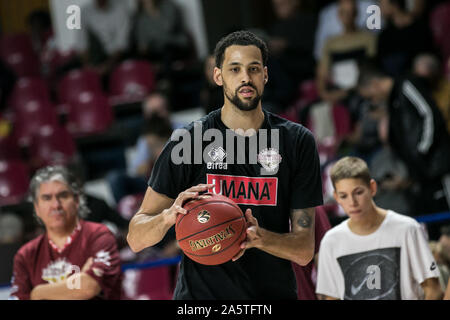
(103, 100)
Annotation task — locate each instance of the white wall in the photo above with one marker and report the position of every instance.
(192, 12)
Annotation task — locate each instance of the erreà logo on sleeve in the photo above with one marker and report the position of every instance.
(258, 191)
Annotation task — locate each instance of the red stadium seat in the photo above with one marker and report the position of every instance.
(27, 89)
(14, 180)
(17, 51)
(31, 117)
(9, 148)
(77, 82)
(52, 145)
(132, 80)
(89, 114)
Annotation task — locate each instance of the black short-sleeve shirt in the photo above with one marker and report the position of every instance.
(271, 172)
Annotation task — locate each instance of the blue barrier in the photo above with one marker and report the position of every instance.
(152, 263)
(435, 217)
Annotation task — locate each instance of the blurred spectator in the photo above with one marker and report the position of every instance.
(338, 67)
(329, 24)
(436, 250)
(43, 267)
(159, 32)
(11, 228)
(104, 36)
(417, 133)
(40, 28)
(211, 95)
(428, 67)
(404, 36)
(157, 130)
(444, 243)
(155, 104)
(291, 41)
(391, 175)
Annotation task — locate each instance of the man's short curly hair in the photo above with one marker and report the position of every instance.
(239, 38)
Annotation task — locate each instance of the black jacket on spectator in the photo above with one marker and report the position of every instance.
(417, 130)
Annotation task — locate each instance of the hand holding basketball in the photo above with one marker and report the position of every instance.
(177, 206)
(253, 238)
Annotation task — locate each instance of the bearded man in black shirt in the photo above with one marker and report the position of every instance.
(269, 166)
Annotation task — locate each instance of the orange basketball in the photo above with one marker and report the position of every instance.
(212, 230)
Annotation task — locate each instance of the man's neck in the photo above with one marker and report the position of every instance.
(235, 118)
(59, 235)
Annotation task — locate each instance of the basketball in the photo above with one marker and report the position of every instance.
(212, 230)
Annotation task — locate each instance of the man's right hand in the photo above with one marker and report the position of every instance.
(177, 207)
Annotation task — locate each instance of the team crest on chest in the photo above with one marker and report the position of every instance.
(269, 159)
(57, 271)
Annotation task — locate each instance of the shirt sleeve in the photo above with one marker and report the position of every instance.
(20, 283)
(329, 275)
(421, 261)
(106, 266)
(307, 180)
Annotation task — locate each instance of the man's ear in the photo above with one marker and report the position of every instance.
(373, 187)
(218, 76)
(266, 75)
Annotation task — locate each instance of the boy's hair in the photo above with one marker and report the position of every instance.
(239, 38)
(350, 168)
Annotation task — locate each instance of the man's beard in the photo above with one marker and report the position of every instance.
(240, 104)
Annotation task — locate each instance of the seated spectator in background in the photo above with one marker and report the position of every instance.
(428, 67)
(291, 41)
(444, 242)
(40, 28)
(211, 95)
(337, 72)
(104, 36)
(375, 254)
(391, 175)
(159, 32)
(402, 39)
(157, 130)
(11, 228)
(417, 134)
(330, 25)
(43, 267)
(155, 104)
